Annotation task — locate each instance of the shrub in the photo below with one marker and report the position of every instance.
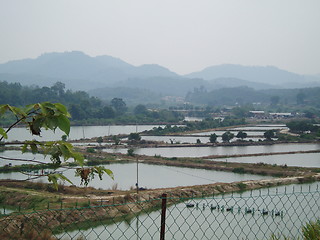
(130, 152)
(242, 186)
(311, 230)
(239, 170)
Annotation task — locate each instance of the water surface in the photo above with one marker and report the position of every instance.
(150, 176)
(218, 150)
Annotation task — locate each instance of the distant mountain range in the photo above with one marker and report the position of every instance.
(82, 72)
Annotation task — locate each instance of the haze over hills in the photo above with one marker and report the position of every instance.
(266, 75)
(82, 72)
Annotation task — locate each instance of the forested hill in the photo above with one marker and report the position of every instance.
(79, 102)
(245, 95)
(83, 108)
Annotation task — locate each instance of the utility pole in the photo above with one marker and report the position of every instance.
(137, 184)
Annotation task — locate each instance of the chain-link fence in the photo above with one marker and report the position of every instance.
(256, 214)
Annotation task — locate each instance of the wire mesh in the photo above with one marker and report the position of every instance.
(256, 214)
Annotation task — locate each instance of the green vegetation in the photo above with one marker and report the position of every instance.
(240, 170)
(130, 152)
(213, 138)
(51, 116)
(227, 136)
(241, 135)
(193, 126)
(310, 231)
(242, 186)
(269, 134)
(134, 137)
(85, 110)
(303, 126)
(269, 98)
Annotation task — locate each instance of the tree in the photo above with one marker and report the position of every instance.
(227, 136)
(106, 112)
(274, 100)
(300, 97)
(99, 140)
(58, 88)
(51, 116)
(140, 109)
(302, 126)
(269, 134)
(119, 105)
(241, 135)
(134, 137)
(213, 138)
(116, 140)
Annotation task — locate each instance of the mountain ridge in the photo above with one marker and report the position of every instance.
(80, 71)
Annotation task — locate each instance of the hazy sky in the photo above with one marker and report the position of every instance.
(182, 35)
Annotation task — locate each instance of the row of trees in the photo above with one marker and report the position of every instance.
(228, 136)
(245, 95)
(302, 126)
(82, 107)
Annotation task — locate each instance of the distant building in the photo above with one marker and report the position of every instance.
(257, 114)
(281, 115)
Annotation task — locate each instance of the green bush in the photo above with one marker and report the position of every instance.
(242, 186)
(239, 170)
(130, 152)
(91, 150)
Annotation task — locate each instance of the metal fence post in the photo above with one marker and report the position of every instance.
(163, 216)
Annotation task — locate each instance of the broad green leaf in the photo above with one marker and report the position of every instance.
(109, 172)
(30, 108)
(47, 108)
(34, 148)
(78, 158)
(100, 170)
(62, 109)
(35, 126)
(3, 109)
(16, 111)
(48, 105)
(65, 151)
(3, 133)
(24, 148)
(51, 122)
(64, 124)
(63, 177)
(53, 178)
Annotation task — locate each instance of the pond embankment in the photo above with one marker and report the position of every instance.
(104, 207)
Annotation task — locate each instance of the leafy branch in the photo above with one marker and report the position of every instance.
(50, 116)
